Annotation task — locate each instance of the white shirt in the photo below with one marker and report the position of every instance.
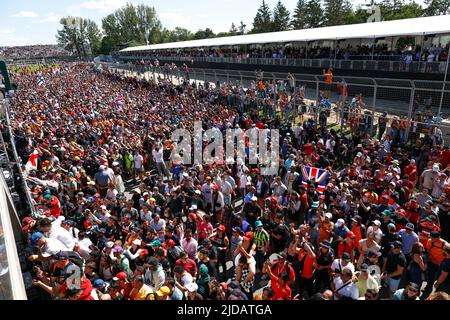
(64, 236)
(378, 234)
(243, 181)
(330, 145)
(52, 247)
(158, 155)
(85, 251)
(337, 264)
(350, 290)
(226, 188)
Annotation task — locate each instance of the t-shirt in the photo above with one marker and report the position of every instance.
(337, 265)
(158, 156)
(393, 261)
(52, 247)
(190, 266)
(145, 293)
(280, 292)
(346, 290)
(138, 161)
(428, 176)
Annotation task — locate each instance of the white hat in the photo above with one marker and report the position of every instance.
(92, 183)
(254, 198)
(191, 287)
(110, 244)
(115, 164)
(103, 207)
(377, 223)
(359, 154)
(340, 222)
(137, 242)
(328, 215)
(198, 192)
(193, 207)
(145, 194)
(102, 167)
(436, 167)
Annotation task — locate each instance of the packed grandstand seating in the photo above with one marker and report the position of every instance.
(360, 52)
(33, 52)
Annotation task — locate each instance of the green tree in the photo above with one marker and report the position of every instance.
(263, 19)
(398, 9)
(132, 24)
(94, 37)
(314, 14)
(233, 30)
(204, 34)
(437, 7)
(242, 28)
(80, 36)
(336, 12)
(298, 19)
(281, 17)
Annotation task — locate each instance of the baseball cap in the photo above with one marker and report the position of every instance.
(48, 197)
(258, 223)
(221, 228)
(192, 287)
(163, 291)
(364, 267)
(328, 215)
(340, 222)
(282, 255)
(137, 242)
(26, 223)
(315, 204)
(254, 198)
(35, 237)
(171, 243)
(435, 234)
(248, 235)
(62, 255)
(120, 276)
(346, 256)
(98, 283)
(410, 226)
(397, 245)
(156, 243)
(325, 244)
(387, 212)
(193, 207)
(237, 229)
(110, 244)
(377, 223)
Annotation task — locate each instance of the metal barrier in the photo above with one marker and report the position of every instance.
(416, 102)
(370, 65)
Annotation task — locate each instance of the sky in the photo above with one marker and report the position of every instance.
(27, 22)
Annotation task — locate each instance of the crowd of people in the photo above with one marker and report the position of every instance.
(33, 52)
(119, 218)
(434, 53)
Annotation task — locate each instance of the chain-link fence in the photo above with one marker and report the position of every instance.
(376, 106)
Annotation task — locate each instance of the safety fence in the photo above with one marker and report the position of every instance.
(417, 107)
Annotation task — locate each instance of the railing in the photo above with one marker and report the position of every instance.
(370, 65)
(417, 101)
(11, 279)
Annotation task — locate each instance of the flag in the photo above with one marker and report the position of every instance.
(321, 176)
(118, 103)
(40, 81)
(32, 161)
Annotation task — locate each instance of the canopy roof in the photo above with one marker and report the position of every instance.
(404, 27)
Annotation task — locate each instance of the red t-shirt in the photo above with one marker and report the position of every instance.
(55, 210)
(277, 270)
(345, 247)
(190, 266)
(86, 286)
(280, 292)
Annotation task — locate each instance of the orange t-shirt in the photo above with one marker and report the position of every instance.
(308, 264)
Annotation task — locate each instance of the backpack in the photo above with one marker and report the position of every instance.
(437, 255)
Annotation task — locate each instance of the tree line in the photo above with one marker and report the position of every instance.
(138, 25)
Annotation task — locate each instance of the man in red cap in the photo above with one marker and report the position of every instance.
(28, 224)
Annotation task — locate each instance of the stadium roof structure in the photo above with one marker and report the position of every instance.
(393, 28)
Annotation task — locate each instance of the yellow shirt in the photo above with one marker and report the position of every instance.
(145, 293)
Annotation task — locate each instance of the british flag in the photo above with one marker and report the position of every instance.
(119, 102)
(321, 177)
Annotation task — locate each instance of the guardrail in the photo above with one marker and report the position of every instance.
(415, 101)
(370, 65)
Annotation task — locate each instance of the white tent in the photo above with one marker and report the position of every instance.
(404, 27)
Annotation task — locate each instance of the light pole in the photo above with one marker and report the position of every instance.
(444, 83)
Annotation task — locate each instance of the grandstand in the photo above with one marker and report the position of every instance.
(362, 49)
